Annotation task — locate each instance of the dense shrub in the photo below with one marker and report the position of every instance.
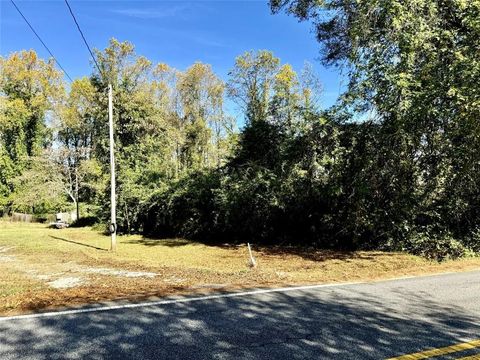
(185, 209)
(435, 247)
(85, 221)
(473, 241)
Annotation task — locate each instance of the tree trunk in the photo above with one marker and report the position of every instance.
(77, 204)
(77, 210)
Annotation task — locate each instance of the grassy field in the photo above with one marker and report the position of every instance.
(44, 268)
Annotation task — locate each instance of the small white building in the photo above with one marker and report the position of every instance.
(68, 217)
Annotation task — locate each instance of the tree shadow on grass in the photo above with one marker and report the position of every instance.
(77, 243)
(313, 254)
(161, 242)
(354, 322)
(307, 253)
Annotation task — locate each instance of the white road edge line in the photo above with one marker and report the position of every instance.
(213, 297)
(172, 301)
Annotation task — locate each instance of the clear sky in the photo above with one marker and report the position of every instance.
(175, 32)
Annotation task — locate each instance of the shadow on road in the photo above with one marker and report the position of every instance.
(341, 324)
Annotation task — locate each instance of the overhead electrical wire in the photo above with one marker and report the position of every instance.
(83, 37)
(39, 38)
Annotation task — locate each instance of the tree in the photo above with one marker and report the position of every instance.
(140, 142)
(251, 82)
(201, 96)
(414, 64)
(30, 90)
(285, 104)
(31, 87)
(310, 89)
(40, 189)
(75, 136)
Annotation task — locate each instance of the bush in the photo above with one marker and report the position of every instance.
(187, 209)
(473, 241)
(85, 221)
(435, 247)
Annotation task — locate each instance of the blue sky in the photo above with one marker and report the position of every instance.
(175, 32)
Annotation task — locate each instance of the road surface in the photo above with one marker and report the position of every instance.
(375, 320)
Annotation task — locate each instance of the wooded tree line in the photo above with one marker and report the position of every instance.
(394, 165)
(54, 138)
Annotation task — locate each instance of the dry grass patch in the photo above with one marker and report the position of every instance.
(46, 268)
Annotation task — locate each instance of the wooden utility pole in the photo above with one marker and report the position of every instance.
(113, 220)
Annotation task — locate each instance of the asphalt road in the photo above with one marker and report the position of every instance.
(360, 321)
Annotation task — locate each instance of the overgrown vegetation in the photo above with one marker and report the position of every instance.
(394, 165)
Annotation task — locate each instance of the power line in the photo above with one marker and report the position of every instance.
(83, 37)
(39, 38)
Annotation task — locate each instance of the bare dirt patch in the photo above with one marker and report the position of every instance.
(4, 257)
(66, 282)
(114, 272)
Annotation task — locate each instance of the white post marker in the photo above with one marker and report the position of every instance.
(113, 221)
(252, 262)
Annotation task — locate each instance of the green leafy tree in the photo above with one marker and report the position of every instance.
(31, 87)
(415, 65)
(139, 139)
(285, 103)
(30, 90)
(40, 189)
(251, 82)
(75, 137)
(201, 97)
